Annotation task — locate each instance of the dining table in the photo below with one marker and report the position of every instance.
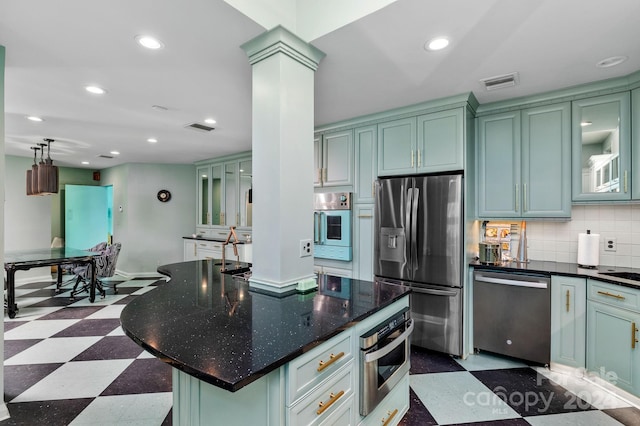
(23, 260)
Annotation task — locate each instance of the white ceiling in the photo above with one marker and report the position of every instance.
(54, 49)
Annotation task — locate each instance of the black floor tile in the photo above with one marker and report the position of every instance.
(54, 301)
(37, 284)
(90, 327)
(124, 290)
(10, 325)
(142, 376)
(529, 393)
(50, 413)
(13, 347)
(124, 300)
(505, 422)
(426, 361)
(168, 421)
(110, 347)
(418, 415)
(19, 378)
(628, 416)
(72, 313)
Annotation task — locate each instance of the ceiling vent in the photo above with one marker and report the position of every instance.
(200, 127)
(500, 81)
(105, 156)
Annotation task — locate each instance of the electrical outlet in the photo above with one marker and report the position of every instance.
(306, 248)
(610, 244)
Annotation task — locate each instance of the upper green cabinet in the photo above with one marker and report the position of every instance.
(224, 193)
(635, 137)
(366, 156)
(602, 148)
(333, 158)
(427, 143)
(524, 163)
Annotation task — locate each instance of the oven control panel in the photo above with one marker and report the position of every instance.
(332, 201)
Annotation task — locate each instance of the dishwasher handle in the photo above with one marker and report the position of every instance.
(514, 282)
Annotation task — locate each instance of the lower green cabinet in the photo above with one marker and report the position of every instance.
(363, 226)
(568, 321)
(613, 352)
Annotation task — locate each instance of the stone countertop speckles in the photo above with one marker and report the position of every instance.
(215, 328)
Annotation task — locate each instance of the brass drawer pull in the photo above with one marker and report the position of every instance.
(332, 358)
(365, 216)
(391, 414)
(634, 339)
(567, 300)
(332, 399)
(606, 293)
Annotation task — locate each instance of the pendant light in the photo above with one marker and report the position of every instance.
(32, 174)
(47, 172)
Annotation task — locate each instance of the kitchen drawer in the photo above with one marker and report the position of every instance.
(344, 415)
(303, 371)
(332, 394)
(614, 295)
(391, 409)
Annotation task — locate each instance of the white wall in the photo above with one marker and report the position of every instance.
(150, 231)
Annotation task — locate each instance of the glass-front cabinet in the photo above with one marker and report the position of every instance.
(601, 148)
(224, 193)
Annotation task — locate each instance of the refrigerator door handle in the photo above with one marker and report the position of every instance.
(407, 225)
(414, 228)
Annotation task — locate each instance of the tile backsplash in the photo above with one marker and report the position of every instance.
(558, 241)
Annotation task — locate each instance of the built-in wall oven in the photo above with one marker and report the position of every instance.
(332, 225)
(384, 359)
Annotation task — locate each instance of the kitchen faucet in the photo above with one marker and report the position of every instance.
(232, 233)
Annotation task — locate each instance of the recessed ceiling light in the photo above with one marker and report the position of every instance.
(585, 123)
(152, 140)
(96, 90)
(115, 152)
(210, 121)
(149, 42)
(34, 118)
(437, 43)
(85, 162)
(611, 62)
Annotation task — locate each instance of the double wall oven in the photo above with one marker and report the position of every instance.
(332, 226)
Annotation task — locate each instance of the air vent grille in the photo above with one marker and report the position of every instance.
(199, 127)
(105, 156)
(500, 81)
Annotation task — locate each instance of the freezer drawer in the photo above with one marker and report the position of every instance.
(437, 315)
(512, 315)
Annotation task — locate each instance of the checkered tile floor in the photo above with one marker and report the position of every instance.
(68, 362)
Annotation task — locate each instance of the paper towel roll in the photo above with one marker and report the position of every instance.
(588, 250)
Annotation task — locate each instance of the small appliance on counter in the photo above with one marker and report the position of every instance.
(490, 253)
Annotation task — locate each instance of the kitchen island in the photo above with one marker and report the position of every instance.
(237, 352)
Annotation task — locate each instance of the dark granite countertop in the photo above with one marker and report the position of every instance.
(213, 327)
(565, 269)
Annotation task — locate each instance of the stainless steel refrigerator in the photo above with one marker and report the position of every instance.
(418, 243)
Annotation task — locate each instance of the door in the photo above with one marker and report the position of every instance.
(391, 232)
(88, 219)
(437, 251)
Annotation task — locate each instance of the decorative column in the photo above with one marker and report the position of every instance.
(283, 67)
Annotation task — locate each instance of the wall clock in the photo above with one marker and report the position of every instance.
(164, 195)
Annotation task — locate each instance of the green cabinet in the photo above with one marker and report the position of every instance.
(427, 143)
(333, 158)
(363, 229)
(601, 148)
(613, 318)
(568, 321)
(366, 156)
(524, 163)
(635, 140)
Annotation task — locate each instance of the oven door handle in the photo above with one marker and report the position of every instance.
(376, 355)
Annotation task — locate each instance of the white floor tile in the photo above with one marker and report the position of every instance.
(483, 361)
(117, 332)
(142, 409)
(136, 283)
(80, 379)
(591, 418)
(39, 329)
(108, 300)
(143, 290)
(459, 397)
(55, 349)
(111, 311)
(145, 355)
(28, 301)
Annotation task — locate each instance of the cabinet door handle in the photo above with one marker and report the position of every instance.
(391, 415)
(419, 158)
(634, 339)
(322, 406)
(365, 216)
(324, 175)
(332, 358)
(625, 182)
(606, 293)
(319, 173)
(568, 303)
(195, 252)
(208, 218)
(221, 218)
(237, 219)
(524, 197)
(411, 158)
(517, 196)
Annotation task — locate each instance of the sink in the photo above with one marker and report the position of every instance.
(626, 275)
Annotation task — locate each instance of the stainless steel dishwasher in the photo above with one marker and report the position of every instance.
(512, 314)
